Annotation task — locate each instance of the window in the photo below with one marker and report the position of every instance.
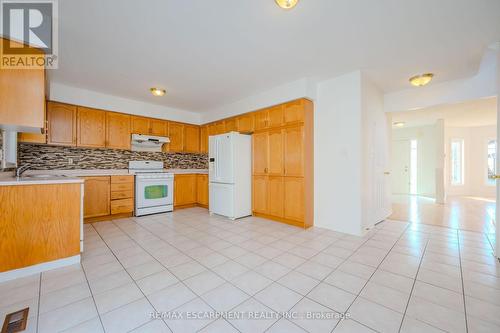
(492, 160)
(457, 162)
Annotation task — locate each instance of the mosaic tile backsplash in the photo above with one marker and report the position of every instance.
(43, 157)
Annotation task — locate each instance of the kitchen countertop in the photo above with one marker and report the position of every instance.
(9, 179)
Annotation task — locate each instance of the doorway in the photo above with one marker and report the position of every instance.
(405, 167)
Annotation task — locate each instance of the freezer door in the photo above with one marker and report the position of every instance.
(221, 159)
(221, 199)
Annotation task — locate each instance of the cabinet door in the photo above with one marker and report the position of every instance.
(276, 196)
(185, 190)
(275, 116)
(294, 111)
(204, 139)
(191, 139)
(230, 125)
(202, 189)
(140, 125)
(260, 147)
(260, 200)
(158, 127)
(276, 150)
(246, 123)
(294, 151)
(261, 119)
(212, 129)
(91, 128)
(117, 131)
(32, 137)
(61, 124)
(96, 199)
(176, 135)
(294, 198)
(220, 128)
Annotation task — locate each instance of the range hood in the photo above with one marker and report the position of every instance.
(151, 143)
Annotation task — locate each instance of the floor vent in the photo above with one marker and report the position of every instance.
(15, 321)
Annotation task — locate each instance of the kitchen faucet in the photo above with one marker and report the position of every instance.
(22, 169)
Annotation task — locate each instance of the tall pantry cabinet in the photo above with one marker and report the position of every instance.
(283, 176)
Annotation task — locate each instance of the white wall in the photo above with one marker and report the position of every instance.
(72, 95)
(475, 158)
(426, 137)
(304, 87)
(338, 154)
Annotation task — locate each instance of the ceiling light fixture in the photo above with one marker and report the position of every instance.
(158, 92)
(286, 4)
(399, 124)
(421, 80)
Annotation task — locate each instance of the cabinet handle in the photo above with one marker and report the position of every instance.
(265, 170)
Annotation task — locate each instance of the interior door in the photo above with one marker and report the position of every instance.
(401, 167)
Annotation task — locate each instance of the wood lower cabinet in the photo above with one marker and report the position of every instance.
(294, 208)
(185, 191)
(260, 198)
(118, 134)
(61, 124)
(176, 135)
(275, 196)
(97, 196)
(91, 128)
(294, 151)
(191, 139)
(202, 190)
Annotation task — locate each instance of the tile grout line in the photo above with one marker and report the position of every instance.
(93, 299)
(462, 280)
(414, 282)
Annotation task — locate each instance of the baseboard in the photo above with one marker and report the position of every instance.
(108, 217)
(190, 206)
(38, 268)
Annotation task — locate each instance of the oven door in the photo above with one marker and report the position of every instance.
(154, 192)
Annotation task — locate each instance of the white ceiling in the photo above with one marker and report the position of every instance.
(210, 53)
(481, 112)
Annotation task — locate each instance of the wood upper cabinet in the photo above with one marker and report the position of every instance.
(118, 133)
(294, 151)
(275, 116)
(32, 137)
(191, 139)
(91, 128)
(185, 192)
(294, 111)
(158, 127)
(260, 146)
(294, 207)
(97, 196)
(176, 135)
(204, 139)
(61, 124)
(22, 97)
(140, 125)
(230, 125)
(275, 142)
(260, 202)
(276, 196)
(246, 123)
(261, 119)
(202, 189)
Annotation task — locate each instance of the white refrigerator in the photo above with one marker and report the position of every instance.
(230, 175)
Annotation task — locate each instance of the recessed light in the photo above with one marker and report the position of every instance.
(158, 92)
(287, 4)
(399, 124)
(421, 80)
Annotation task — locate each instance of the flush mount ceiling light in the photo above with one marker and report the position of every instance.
(158, 92)
(421, 80)
(399, 124)
(286, 4)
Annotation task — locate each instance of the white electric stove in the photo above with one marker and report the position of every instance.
(154, 188)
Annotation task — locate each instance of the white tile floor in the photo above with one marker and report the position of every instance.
(399, 278)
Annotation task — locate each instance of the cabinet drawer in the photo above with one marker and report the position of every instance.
(125, 194)
(122, 179)
(122, 206)
(122, 187)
